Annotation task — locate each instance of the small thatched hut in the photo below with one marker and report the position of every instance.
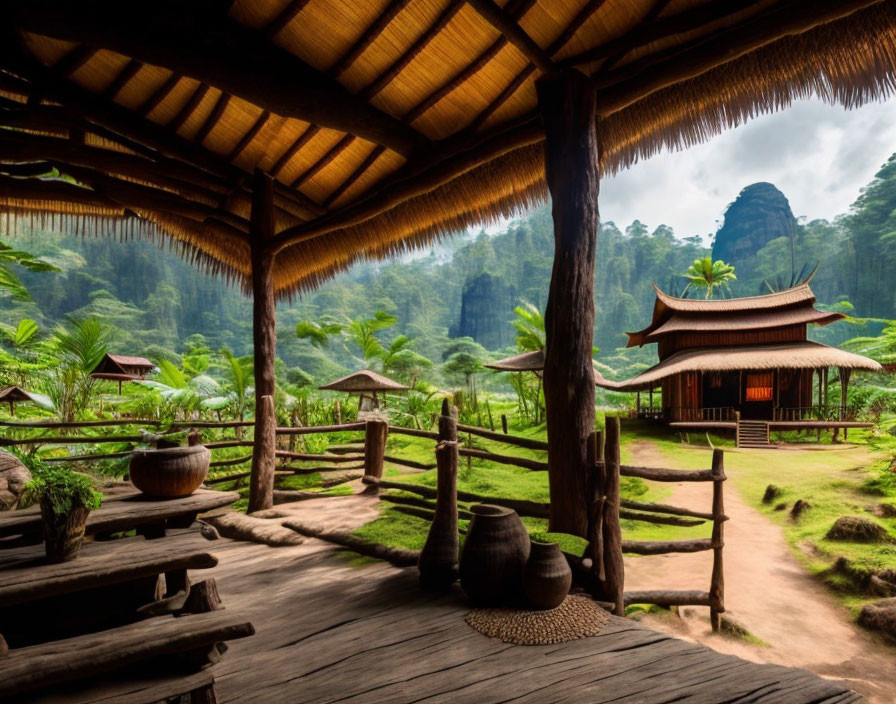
(16, 394)
(523, 362)
(121, 368)
(367, 384)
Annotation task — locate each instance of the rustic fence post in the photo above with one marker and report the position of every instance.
(596, 501)
(614, 581)
(717, 585)
(439, 558)
(504, 423)
(375, 433)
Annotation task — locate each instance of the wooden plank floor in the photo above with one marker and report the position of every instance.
(327, 631)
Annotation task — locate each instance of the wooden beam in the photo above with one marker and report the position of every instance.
(188, 108)
(633, 37)
(124, 76)
(567, 104)
(688, 21)
(302, 140)
(417, 178)
(375, 154)
(517, 10)
(159, 94)
(508, 26)
(331, 154)
(74, 60)
(367, 38)
(283, 18)
(264, 336)
(225, 54)
(209, 124)
(34, 189)
(249, 136)
(396, 67)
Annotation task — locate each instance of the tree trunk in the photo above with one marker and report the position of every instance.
(264, 335)
(567, 104)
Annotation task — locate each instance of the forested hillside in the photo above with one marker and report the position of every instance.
(470, 285)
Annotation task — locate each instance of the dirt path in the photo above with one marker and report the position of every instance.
(769, 592)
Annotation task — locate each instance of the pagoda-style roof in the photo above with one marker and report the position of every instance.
(364, 380)
(797, 355)
(120, 367)
(386, 124)
(525, 362)
(793, 306)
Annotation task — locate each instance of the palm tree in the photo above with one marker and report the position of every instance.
(529, 325)
(80, 346)
(709, 274)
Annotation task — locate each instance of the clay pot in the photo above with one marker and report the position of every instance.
(546, 576)
(63, 533)
(169, 473)
(495, 552)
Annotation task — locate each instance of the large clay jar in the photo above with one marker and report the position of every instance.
(169, 473)
(495, 552)
(63, 532)
(546, 576)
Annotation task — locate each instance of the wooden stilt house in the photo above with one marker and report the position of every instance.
(747, 358)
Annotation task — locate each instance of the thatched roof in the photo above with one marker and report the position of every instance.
(524, 362)
(16, 394)
(364, 380)
(386, 123)
(774, 310)
(797, 355)
(120, 367)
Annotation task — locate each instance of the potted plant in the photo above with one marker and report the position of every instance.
(66, 499)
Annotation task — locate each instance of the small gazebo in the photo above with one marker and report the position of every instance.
(524, 362)
(367, 384)
(16, 394)
(121, 368)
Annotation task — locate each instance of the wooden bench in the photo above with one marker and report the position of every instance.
(125, 511)
(38, 667)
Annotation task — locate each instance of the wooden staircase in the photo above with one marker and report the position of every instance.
(753, 434)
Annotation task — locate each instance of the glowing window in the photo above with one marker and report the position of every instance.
(760, 387)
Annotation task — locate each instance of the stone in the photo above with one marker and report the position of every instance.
(781, 507)
(859, 530)
(884, 511)
(13, 477)
(771, 493)
(880, 587)
(880, 616)
(798, 509)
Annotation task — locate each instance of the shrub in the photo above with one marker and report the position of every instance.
(62, 488)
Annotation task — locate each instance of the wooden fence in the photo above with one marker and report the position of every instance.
(606, 545)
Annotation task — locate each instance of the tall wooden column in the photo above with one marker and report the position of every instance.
(567, 104)
(264, 337)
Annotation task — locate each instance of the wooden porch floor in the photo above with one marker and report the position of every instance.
(327, 631)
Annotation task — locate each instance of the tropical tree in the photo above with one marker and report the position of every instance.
(238, 379)
(359, 334)
(710, 275)
(79, 344)
(529, 326)
(399, 359)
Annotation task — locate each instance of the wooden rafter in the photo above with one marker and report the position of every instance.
(249, 136)
(74, 60)
(331, 154)
(632, 38)
(516, 35)
(300, 142)
(397, 66)
(581, 17)
(225, 54)
(159, 94)
(368, 37)
(517, 10)
(689, 20)
(188, 108)
(209, 123)
(355, 175)
(122, 79)
(284, 17)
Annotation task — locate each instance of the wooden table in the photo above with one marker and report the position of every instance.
(122, 512)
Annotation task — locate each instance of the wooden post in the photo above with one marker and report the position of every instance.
(376, 432)
(596, 499)
(264, 337)
(567, 102)
(637, 404)
(439, 557)
(717, 584)
(614, 582)
(504, 423)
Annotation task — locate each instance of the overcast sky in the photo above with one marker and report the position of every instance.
(818, 155)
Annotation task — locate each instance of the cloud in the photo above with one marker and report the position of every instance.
(819, 155)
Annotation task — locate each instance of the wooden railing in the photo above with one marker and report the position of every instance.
(709, 414)
(824, 412)
(606, 545)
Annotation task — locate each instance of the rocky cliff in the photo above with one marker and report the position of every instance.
(486, 311)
